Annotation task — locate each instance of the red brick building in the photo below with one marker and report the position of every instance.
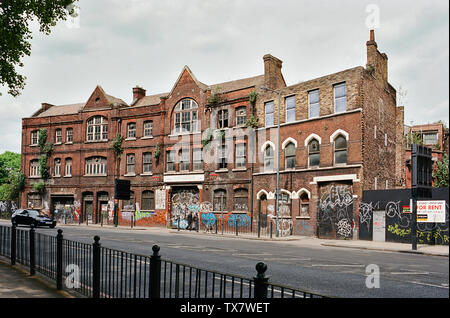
(199, 149)
(434, 136)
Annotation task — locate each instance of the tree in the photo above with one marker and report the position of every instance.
(440, 174)
(15, 34)
(12, 180)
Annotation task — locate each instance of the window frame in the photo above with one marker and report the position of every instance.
(271, 114)
(150, 198)
(310, 104)
(68, 167)
(338, 98)
(97, 135)
(58, 136)
(130, 164)
(291, 156)
(147, 163)
(270, 159)
(313, 153)
(69, 133)
(241, 118)
(336, 150)
(131, 130)
(98, 168)
(292, 109)
(180, 122)
(147, 129)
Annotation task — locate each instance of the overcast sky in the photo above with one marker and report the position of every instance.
(123, 43)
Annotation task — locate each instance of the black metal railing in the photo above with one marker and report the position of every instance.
(100, 272)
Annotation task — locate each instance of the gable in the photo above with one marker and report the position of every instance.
(99, 99)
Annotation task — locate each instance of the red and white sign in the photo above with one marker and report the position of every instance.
(431, 211)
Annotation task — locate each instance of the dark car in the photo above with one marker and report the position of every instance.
(32, 218)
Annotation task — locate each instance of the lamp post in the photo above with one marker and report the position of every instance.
(277, 191)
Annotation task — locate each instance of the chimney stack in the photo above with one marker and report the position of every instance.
(45, 106)
(273, 78)
(376, 60)
(138, 93)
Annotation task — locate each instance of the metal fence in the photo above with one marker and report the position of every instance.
(100, 272)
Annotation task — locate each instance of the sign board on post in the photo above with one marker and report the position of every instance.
(431, 211)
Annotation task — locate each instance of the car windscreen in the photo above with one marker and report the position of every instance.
(33, 213)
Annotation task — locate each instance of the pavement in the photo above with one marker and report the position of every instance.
(15, 282)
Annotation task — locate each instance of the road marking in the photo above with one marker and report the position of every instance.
(410, 273)
(338, 265)
(432, 285)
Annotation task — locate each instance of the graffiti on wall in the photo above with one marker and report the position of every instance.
(336, 211)
(184, 202)
(7, 208)
(399, 223)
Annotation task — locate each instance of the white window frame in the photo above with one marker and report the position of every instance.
(312, 104)
(271, 114)
(341, 97)
(68, 167)
(96, 166)
(102, 130)
(290, 110)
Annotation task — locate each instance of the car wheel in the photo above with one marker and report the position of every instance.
(52, 226)
(34, 224)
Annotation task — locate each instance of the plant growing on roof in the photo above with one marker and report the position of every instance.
(216, 97)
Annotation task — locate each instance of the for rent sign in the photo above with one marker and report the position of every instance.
(431, 211)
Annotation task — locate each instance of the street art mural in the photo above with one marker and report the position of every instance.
(184, 201)
(398, 218)
(335, 218)
(7, 208)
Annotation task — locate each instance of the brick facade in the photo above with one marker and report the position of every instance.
(316, 199)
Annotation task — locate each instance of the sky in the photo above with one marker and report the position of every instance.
(119, 44)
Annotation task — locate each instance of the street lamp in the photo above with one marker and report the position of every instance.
(277, 191)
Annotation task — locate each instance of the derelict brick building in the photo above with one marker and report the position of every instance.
(211, 150)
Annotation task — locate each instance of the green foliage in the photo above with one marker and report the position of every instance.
(157, 151)
(220, 134)
(252, 122)
(414, 138)
(216, 97)
(208, 138)
(39, 187)
(12, 180)
(15, 34)
(117, 145)
(44, 168)
(42, 138)
(440, 174)
(252, 96)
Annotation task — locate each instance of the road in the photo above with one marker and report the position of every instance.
(332, 271)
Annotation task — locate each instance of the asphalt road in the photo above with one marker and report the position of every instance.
(332, 271)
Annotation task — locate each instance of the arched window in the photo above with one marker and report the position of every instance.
(241, 200)
(313, 153)
(241, 116)
(268, 158)
(340, 150)
(220, 200)
(131, 130)
(97, 128)
(304, 205)
(57, 170)
(185, 117)
(148, 200)
(68, 167)
(290, 156)
(95, 166)
(35, 170)
(128, 205)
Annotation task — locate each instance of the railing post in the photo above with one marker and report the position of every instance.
(261, 281)
(96, 268)
(155, 273)
(32, 252)
(59, 259)
(13, 245)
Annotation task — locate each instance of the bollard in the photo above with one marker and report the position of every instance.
(96, 267)
(261, 280)
(13, 245)
(155, 273)
(59, 260)
(32, 252)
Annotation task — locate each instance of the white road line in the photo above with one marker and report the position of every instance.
(338, 265)
(409, 273)
(432, 285)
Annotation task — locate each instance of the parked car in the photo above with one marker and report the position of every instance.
(32, 218)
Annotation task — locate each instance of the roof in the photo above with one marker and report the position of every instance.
(256, 81)
(150, 100)
(62, 110)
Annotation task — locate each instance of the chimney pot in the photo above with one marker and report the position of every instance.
(372, 35)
